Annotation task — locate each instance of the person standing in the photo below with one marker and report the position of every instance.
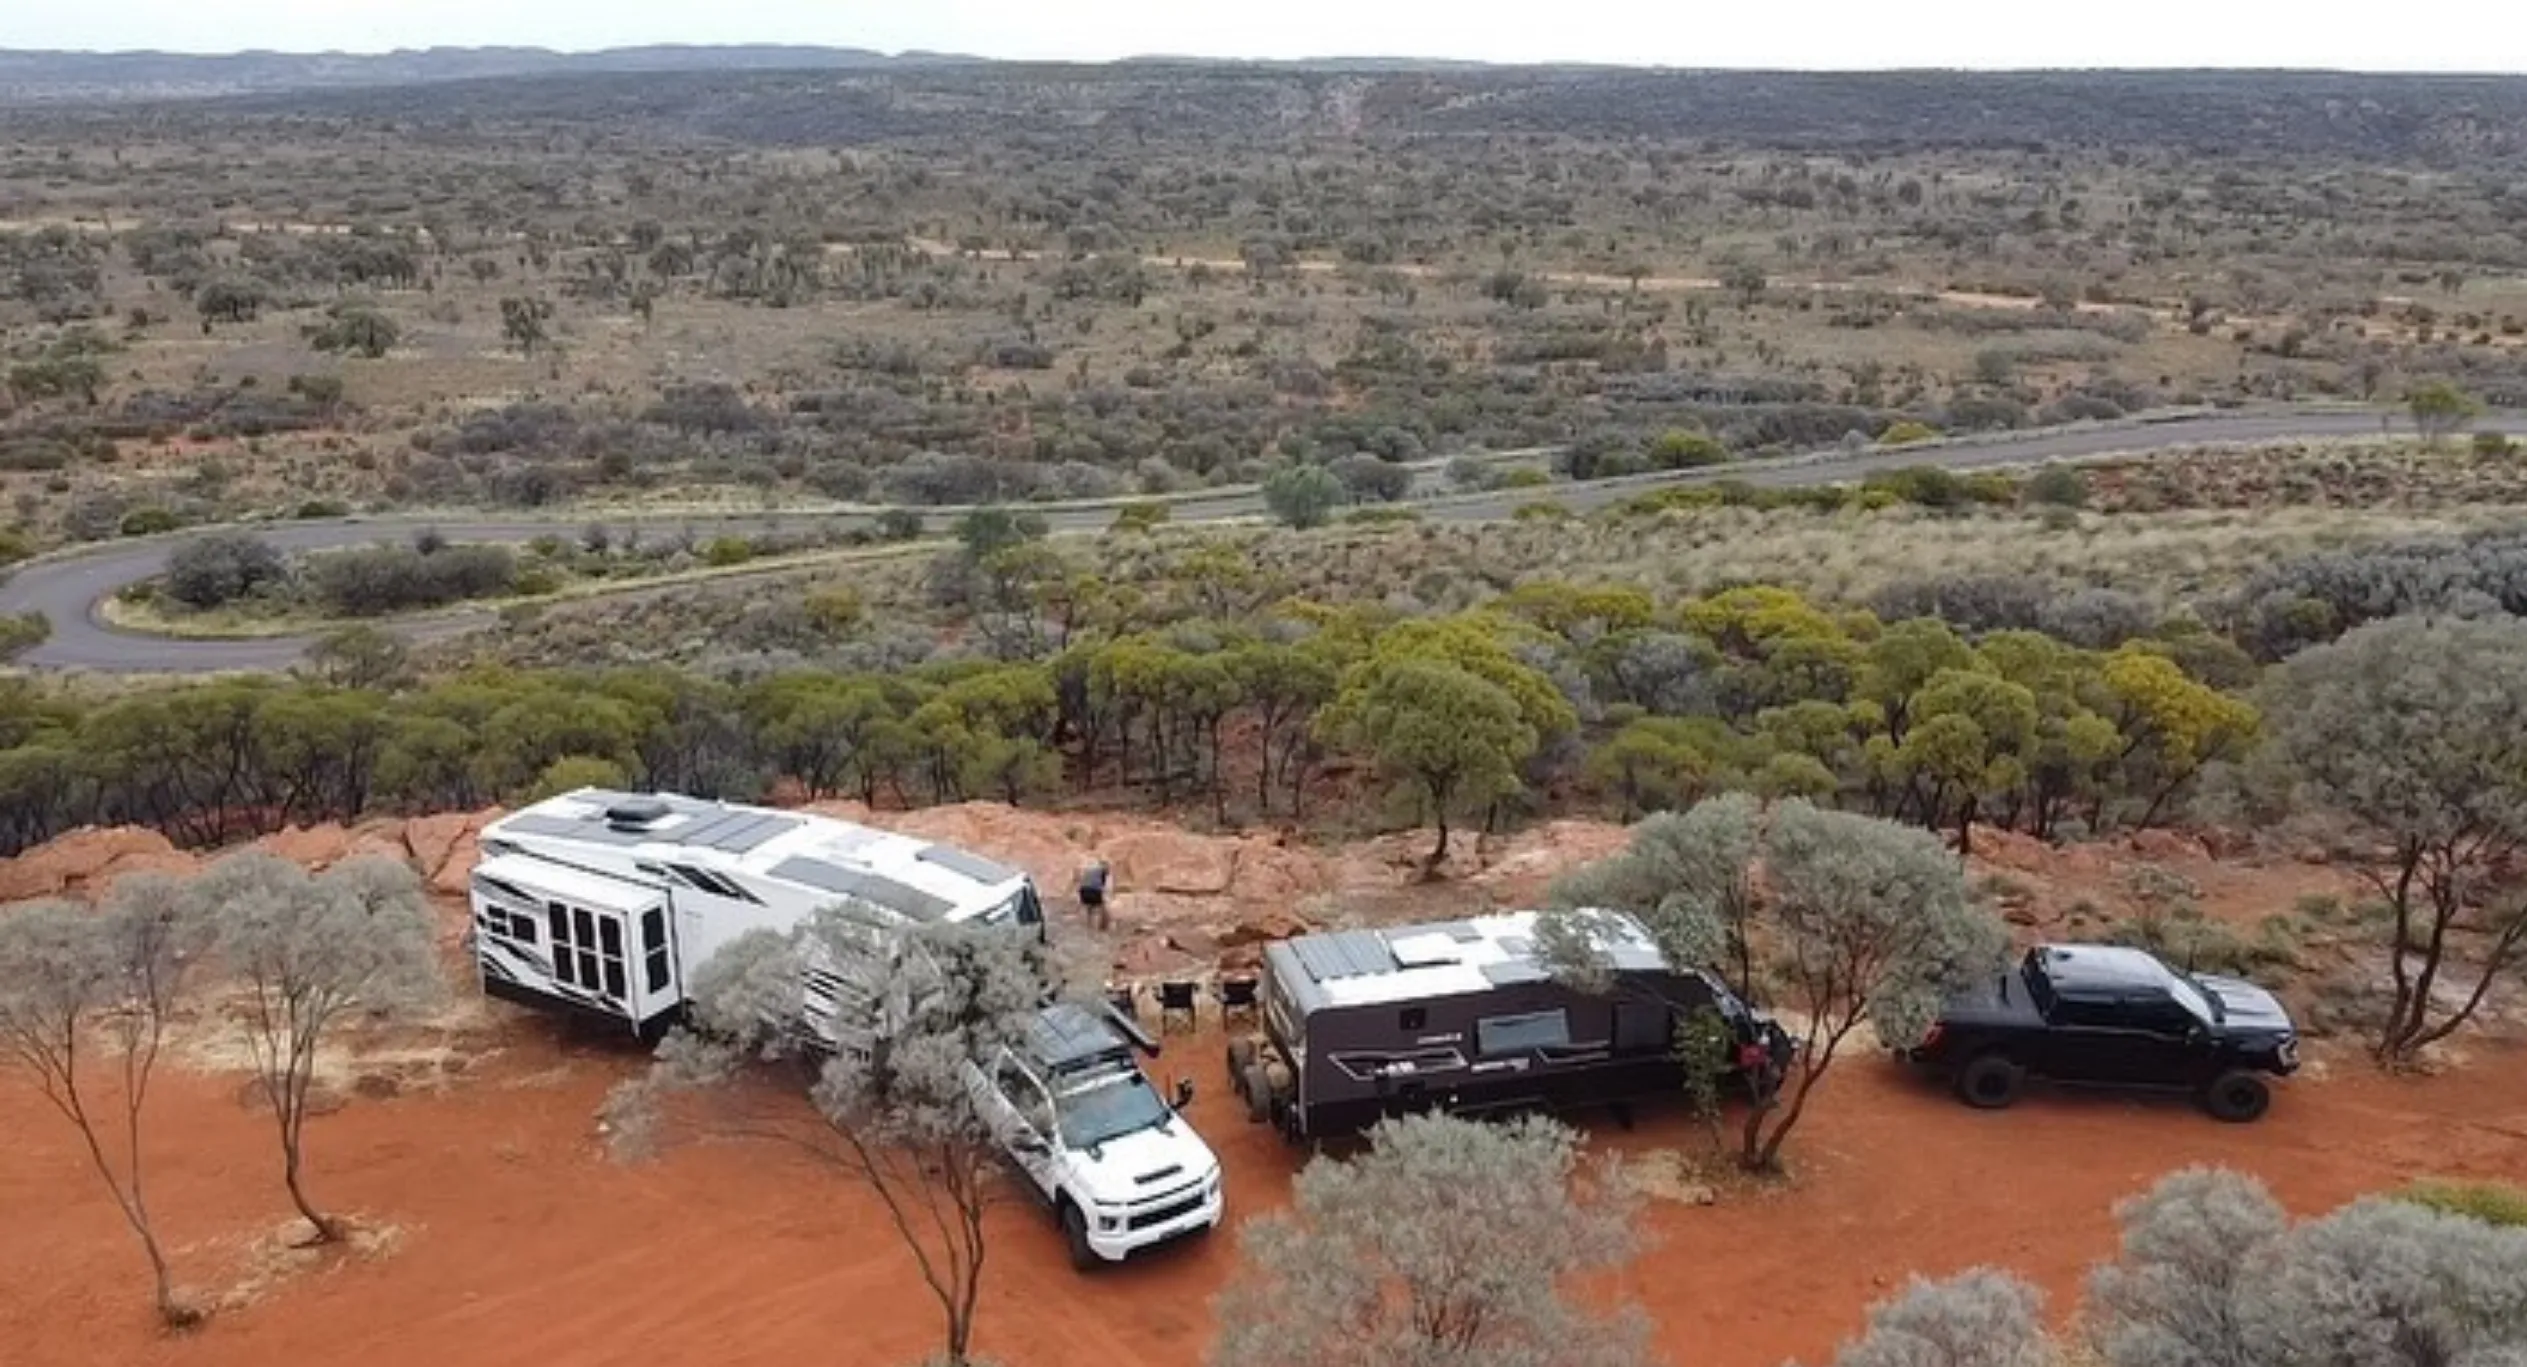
(1092, 894)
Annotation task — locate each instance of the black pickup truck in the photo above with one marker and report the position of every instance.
(2104, 1015)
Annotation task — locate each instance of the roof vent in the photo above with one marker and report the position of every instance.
(635, 813)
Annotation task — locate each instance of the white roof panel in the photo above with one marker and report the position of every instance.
(545, 879)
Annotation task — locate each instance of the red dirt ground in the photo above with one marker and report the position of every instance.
(520, 1243)
(515, 1240)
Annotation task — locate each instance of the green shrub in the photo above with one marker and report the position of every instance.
(22, 632)
(576, 771)
(2059, 486)
(2493, 1203)
(899, 524)
(1907, 432)
(535, 581)
(1678, 449)
(1523, 477)
(2189, 940)
(322, 507)
(1542, 510)
(2492, 445)
(1141, 516)
(724, 551)
(149, 521)
(14, 546)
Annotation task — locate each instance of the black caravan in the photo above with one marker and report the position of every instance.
(1463, 1016)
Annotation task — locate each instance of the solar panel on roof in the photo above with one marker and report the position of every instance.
(866, 887)
(536, 823)
(1343, 954)
(973, 866)
(735, 831)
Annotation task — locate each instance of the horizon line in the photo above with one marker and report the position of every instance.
(912, 54)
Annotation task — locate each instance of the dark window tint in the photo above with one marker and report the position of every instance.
(1498, 1035)
(1415, 1018)
(654, 949)
(2092, 1013)
(557, 917)
(1642, 1028)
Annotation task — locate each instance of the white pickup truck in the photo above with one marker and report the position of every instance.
(1121, 1170)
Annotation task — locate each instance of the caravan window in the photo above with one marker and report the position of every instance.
(654, 949)
(1643, 1027)
(557, 917)
(610, 953)
(1498, 1035)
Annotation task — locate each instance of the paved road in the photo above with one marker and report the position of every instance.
(67, 589)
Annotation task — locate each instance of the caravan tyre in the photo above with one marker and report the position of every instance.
(1256, 1084)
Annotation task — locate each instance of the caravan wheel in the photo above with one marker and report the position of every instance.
(1257, 1087)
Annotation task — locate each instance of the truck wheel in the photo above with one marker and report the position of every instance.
(1990, 1082)
(1075, 1237)
(1241, 1051)
(1257, 1086)
(2237, 1097)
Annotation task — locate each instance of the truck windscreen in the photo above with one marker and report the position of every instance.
(1103, 1111)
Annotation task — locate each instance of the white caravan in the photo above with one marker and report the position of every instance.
(605, 903)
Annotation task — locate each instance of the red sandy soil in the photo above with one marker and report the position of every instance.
(511, 1238)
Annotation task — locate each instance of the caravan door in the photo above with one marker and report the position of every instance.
(657, 989)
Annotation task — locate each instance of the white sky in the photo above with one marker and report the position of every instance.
(2415, 35)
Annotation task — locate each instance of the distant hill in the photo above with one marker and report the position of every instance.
(2478, 122)
(83, 77)
(812, 96)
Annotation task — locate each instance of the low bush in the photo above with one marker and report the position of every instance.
(149, 521)
(2493, 1203)
(222, 568)
(382, 579)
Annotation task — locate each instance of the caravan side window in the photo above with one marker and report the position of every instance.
(1495, 1036)
(654, 949)
(1643, 1027)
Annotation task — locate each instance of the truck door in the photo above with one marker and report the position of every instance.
(1020, 1113)
(2086, 1042)
(2160, 1046)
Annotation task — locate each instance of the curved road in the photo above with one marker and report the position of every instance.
(67, 588)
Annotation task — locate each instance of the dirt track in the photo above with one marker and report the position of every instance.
(520, 1244)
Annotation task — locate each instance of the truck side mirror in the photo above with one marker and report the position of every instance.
(1184, 1092)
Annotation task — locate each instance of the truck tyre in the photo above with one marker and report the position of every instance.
(1075, 1237)
(1257, 1087)
(1241, 1051)
(2237, 1097)
(1989, 1082)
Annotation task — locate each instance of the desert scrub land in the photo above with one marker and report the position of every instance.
(2185, 532)
(957, 286)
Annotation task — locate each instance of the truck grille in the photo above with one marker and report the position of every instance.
(1163, 1214)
